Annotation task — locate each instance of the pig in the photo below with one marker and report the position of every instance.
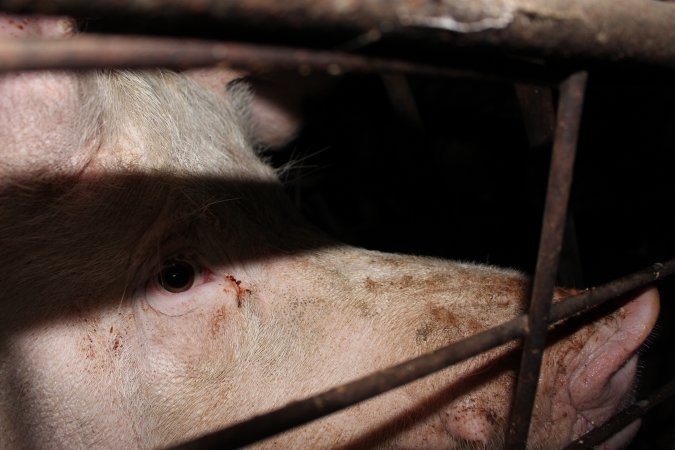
(159, 286)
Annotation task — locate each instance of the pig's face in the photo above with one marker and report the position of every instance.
(159, 286)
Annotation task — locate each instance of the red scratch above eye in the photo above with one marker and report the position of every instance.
(241, 292)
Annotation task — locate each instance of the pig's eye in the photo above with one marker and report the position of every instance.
(176, 276)
(178, 285)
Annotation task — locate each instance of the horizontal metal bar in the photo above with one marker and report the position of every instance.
(87, 51)
(593, 297)
(620, 421)
(555, 213)
(309, 409)
(612, 30)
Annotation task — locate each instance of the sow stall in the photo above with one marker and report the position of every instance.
(547, 49)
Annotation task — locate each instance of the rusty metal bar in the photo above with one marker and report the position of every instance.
(312, 408)
(303, 411)
(593, 297)
(89, 51)
(555, 213)
(623, 419)
(610, 30)
(538, 111)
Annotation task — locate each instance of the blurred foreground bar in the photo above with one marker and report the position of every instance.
(639, 31)
(87, 51)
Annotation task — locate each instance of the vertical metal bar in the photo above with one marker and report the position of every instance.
(555, 212)
(538, 111)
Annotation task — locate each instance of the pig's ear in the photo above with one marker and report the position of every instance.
(270, 109)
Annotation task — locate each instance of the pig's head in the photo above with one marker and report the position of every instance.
(158, 286)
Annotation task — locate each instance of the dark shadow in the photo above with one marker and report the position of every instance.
(70, 246)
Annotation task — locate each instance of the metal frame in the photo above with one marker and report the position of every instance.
(611, 30)
(650, 45)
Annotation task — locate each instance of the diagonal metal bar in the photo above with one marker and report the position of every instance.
(306, 410)
(312, 408)
(550, 244)
(538, 111)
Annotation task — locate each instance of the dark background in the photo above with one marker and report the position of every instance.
(459, 181)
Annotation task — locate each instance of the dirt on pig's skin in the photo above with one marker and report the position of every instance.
(160, 286)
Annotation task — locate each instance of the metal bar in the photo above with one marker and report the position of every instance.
(555, 212)
(303, 411)
(610, 30)
(536, 105)
(312, 408)
(591, 298)
(623, 419)
(96, 51)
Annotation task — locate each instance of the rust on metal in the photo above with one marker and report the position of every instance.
(610, 30)
(591, 298)
(538, 112)
(312, 408)
(550, 244)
